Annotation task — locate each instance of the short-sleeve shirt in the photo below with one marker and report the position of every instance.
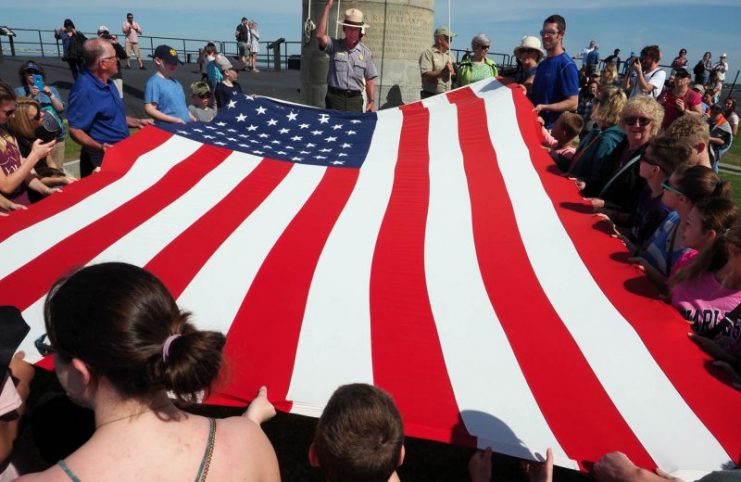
(243, 33)
(556, 79)
(656, 77)
(133, 34)
(204, 114)
(432, 60)
(349, 69)
(97, 109)
(663, 248)
(671, 111)
(224, 93)
(169, 96)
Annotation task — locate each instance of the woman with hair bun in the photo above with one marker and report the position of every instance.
(120, 344)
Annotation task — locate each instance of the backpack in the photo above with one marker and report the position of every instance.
(699, 68)
(74, 51)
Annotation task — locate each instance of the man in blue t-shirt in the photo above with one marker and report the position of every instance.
(556, 85)
(164, 97)
(97, 117)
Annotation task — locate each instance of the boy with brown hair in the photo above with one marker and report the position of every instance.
(692, 129)
(560, 140)
(359, 437)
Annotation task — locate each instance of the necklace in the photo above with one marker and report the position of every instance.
(132, 415)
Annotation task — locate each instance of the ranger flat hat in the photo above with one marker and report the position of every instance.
(353, 18)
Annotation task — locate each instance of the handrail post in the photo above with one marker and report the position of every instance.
(41, 43)
(185, 52)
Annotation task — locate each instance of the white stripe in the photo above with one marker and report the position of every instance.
(669, 430)
(469, 329)
(338, 301)
(218, 290)
(139, 246)
(25, 245)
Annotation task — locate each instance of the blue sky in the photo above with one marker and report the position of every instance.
(696, 25)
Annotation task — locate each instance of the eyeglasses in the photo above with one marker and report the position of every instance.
(544, 32)
(108, 58)
(668, 187)
(44, 348)
(642, 121)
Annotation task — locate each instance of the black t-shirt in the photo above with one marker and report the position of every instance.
(243, 33)
(223, 93)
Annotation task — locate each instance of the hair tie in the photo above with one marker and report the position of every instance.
(166, 346)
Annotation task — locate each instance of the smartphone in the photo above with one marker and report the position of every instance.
(38, 81)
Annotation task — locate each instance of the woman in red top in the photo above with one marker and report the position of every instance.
(680, 100)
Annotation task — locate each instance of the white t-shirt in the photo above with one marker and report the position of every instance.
(656, 78)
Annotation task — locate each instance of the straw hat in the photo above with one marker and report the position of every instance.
(354, 18)
(532, 43)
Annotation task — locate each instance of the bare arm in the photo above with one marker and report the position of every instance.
(152, 111)
(10, 182)
(370, 92)
(568, 104)
(81, 137)
(321, 31)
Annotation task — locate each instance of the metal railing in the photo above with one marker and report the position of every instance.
(43, 43)
(501, 59)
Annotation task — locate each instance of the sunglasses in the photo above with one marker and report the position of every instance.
(44, 348)
(37, 117)
(483, 47)
(32, 72)
(204, 96)
(543, 33)
(668, 187)
(650, 161)
(9, 111)
(642, 121)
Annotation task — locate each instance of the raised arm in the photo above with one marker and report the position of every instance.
(321, 31)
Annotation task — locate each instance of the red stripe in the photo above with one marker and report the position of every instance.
(658, 325)
(401, 315)
(574, 403)
(178, 263)
(263, 339)
(30, 282)
(118, 161)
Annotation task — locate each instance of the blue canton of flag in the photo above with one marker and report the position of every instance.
(268, 128)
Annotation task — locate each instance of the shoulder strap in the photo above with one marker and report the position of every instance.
(206, 460)
(68, 472)
(627, 166)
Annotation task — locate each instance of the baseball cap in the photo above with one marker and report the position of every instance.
(682, 72)
(444, 31)
(168, 54)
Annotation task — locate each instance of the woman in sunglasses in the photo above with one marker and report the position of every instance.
(16, 172)
(24, 125)
(123, 348)
(478, 66)
(640, 120)
(33, 84)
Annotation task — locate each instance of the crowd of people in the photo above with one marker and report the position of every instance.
(643, 150)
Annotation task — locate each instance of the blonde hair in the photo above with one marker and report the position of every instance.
(609, 75)
(647, 106)
(22, 124)
(611, 103)
(690, 127)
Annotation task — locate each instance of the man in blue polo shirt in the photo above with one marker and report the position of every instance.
(556, 85)
(97, 117)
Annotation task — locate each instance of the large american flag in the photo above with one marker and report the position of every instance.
(428, 249)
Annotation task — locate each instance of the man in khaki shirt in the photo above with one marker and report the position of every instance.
(436, 65)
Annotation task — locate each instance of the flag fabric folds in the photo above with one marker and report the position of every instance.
(428, 249)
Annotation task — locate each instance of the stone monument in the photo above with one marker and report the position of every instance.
(399, 31)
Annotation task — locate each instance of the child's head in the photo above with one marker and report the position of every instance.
(662, 157)
(692, 129)
(231, 73)
(707, 219)
(689, 185)
(359, 437)
(724, 249)
(567, 126)
(166, 59)
(200, 94)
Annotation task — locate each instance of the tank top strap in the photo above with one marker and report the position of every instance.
(63, 465)
(206, 460)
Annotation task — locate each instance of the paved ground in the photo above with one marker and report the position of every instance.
(282, 85)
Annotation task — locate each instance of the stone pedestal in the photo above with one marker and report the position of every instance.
(399, 31)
